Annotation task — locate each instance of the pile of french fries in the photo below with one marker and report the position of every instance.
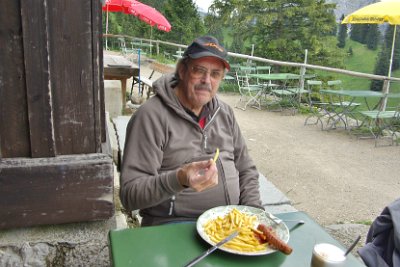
(221, 227)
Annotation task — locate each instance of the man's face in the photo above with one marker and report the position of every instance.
(200, 80)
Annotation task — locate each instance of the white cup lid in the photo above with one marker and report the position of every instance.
(329, 252)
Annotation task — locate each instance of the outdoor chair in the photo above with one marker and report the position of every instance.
(382, 124)
(339, 109)
(287, 94)
(250, 94)
(317, 106)
(298, 92)
(264, 70)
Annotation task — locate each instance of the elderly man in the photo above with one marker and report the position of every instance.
(167, 170)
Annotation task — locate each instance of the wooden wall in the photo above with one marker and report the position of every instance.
(52, 108)
(50, 95)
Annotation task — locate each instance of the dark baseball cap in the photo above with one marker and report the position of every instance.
(207, 46)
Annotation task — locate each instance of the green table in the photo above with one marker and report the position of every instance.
(352, 94)
(177, 244)
(280, 76)
(345, 106)
(276, 76)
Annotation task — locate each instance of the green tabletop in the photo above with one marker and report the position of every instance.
(280, 76)
(229, 77)
(177, 244)
(354, 93)
(276, 76)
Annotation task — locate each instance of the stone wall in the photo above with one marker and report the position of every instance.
(74, 244)
(78, 244)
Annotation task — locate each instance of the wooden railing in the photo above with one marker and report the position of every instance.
(302, 66)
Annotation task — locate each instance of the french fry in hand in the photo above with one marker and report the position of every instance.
(216, 155)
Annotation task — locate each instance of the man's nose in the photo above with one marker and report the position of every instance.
(206, 77)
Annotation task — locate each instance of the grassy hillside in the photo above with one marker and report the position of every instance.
(362, 60)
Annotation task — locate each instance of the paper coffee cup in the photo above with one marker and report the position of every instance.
(327, 255)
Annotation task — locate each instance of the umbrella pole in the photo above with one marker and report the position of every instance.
(107, 28)
(140, 89)
(387, 86)
(151, 37)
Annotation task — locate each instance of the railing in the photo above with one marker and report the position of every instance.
(302, 66)
(270, 61)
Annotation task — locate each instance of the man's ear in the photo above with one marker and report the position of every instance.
(181, 71)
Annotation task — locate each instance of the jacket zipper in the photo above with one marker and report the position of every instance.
(205, 137)
(171, 205)
(172, 202)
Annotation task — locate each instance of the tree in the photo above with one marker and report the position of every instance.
(212, 27)
(281, 29)
(356, 33)
(383, 61)
(367, 34)
(342, 35)
(350, 51)
(238, 17)
(185, 20)
(372, 37)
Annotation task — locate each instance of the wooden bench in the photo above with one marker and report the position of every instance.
(143, 83)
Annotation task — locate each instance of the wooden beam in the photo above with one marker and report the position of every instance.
(14, 126)
(98, 82)
(63, 189)
(36, 54)
(72, 76)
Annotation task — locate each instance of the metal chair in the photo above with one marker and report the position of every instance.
(382, 123)
(316, 104)
(339, 110)
(249, 93)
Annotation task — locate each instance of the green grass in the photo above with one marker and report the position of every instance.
(362, 60)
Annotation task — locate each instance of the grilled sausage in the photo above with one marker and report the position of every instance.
(272, 239)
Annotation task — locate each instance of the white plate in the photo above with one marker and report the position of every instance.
(262, 217)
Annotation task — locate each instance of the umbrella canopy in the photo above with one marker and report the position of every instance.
(149, 15)
(386, 11)
(144, 12)
(117, 5)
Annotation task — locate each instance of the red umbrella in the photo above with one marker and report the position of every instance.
(149, 15)
(117, 5)
(144, 12)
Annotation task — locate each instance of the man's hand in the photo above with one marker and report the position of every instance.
(198, 175)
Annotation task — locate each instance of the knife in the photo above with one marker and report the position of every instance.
(211, 250)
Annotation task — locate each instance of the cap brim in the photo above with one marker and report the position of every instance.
(209, 54)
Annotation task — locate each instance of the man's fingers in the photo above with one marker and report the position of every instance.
(209, 179)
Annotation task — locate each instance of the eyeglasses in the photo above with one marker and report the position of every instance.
(200, 72)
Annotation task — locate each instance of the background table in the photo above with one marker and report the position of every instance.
(177, 244)
(119, 68)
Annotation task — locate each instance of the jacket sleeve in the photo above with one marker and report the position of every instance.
(142, 185)
(248, 173)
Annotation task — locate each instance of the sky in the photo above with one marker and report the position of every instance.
(203, 4)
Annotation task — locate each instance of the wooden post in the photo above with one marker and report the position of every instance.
(54, 167)
(302, 73)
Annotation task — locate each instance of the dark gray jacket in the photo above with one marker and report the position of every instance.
(382, 248)
(161, 137)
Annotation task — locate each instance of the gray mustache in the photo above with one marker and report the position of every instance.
(203, 87)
